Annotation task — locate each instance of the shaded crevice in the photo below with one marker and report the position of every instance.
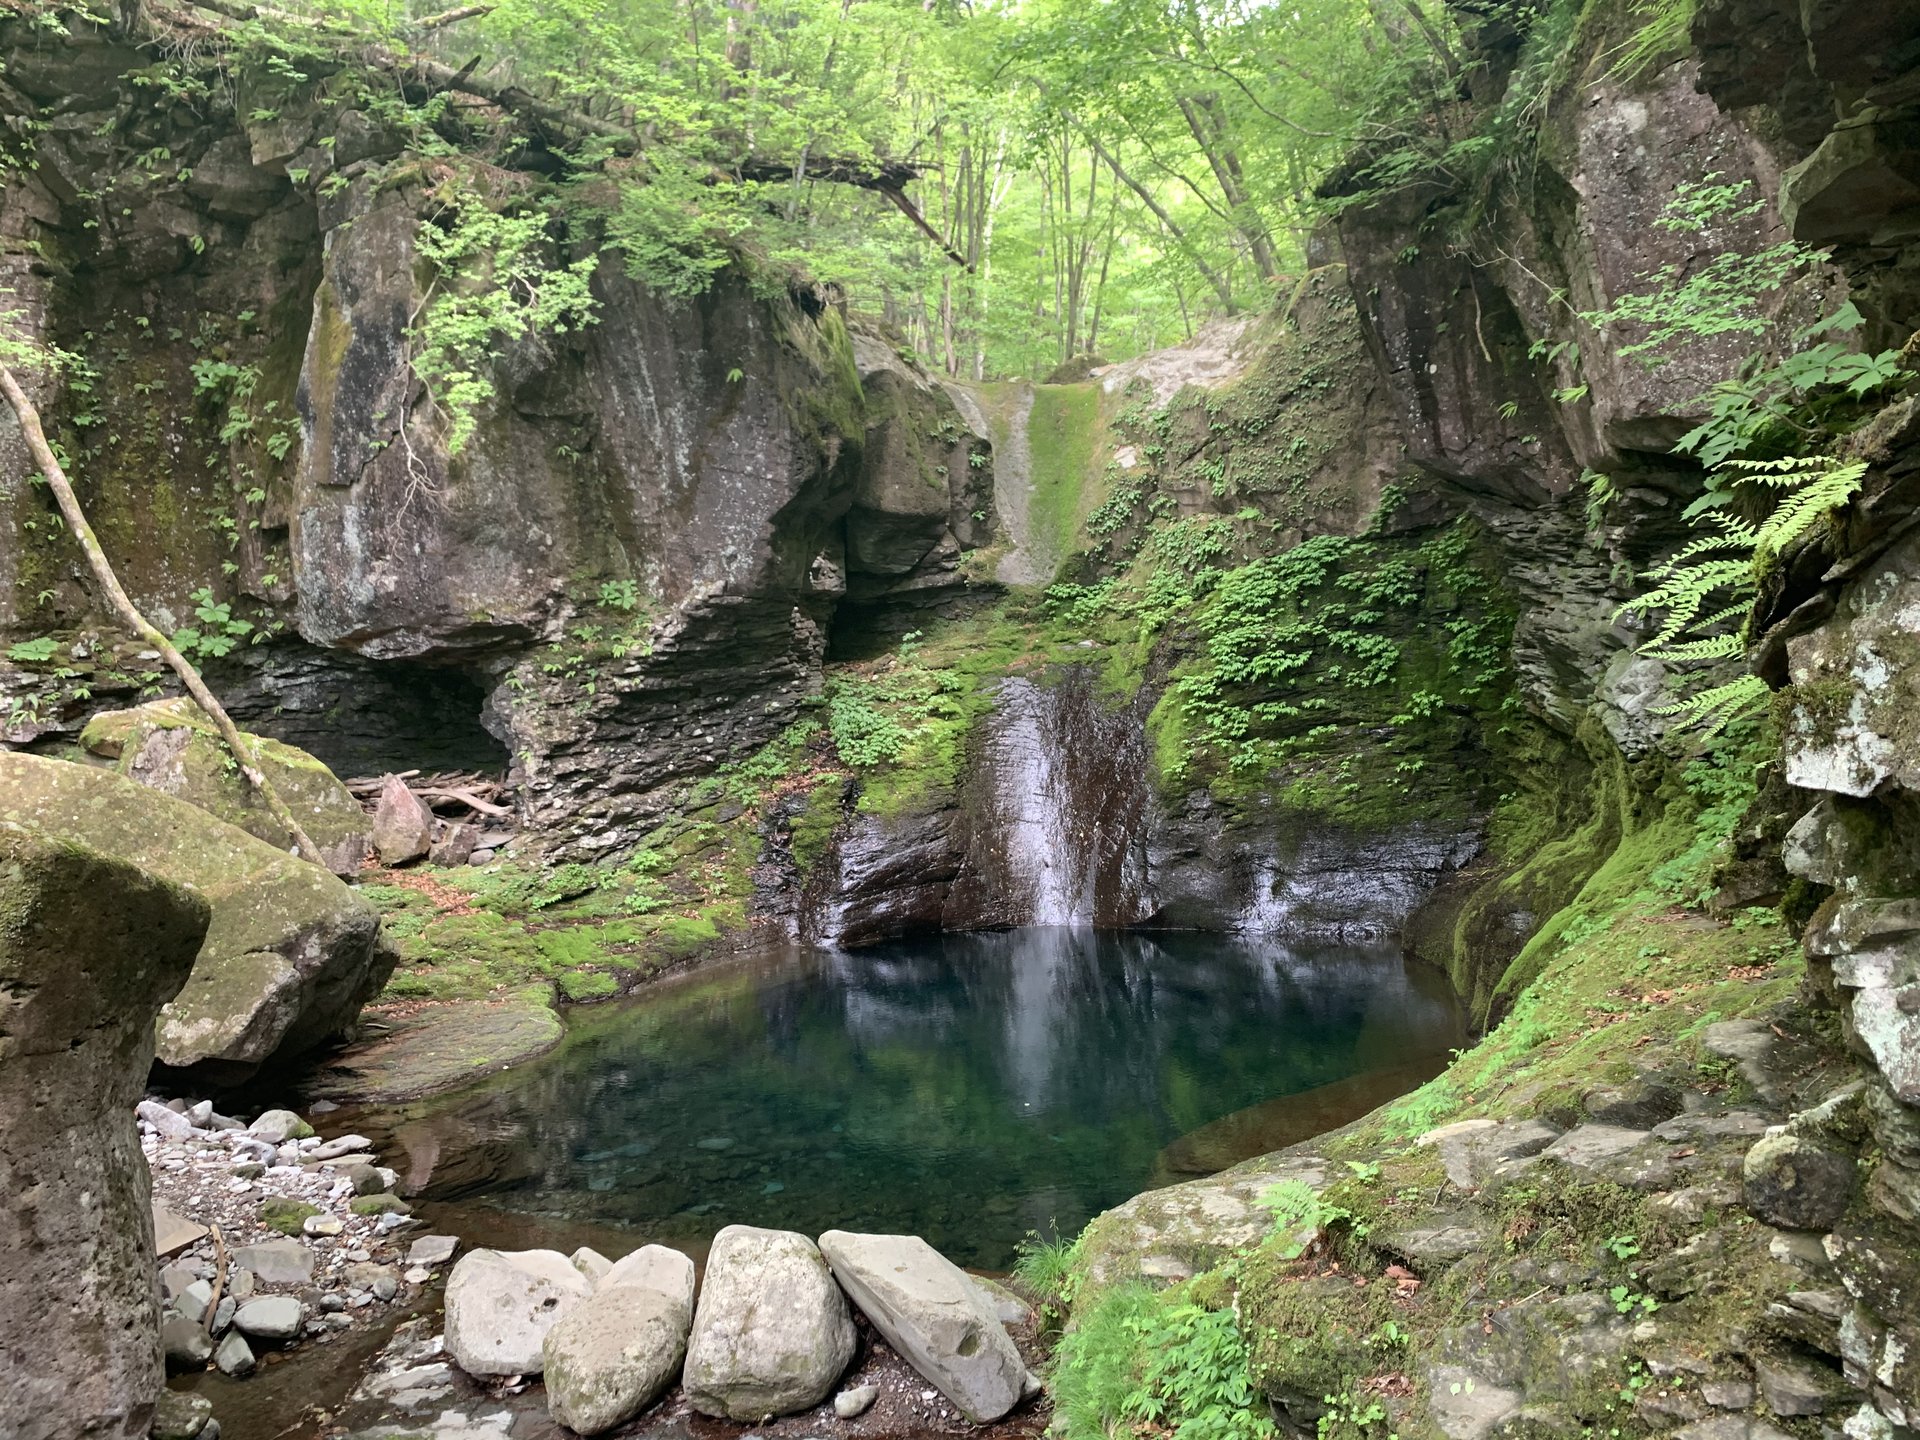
(364, 717)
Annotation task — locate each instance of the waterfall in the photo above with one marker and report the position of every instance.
(1035, 802)
(1066, 803)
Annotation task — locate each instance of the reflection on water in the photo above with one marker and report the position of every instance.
(967, 1088)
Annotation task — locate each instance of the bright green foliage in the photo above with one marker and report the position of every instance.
(1764, 492)
(1137, 1359)
(494, 284)
(901, 723)
(33, 652)
(1108, 176)
(1048, 1270)
(218, 632)
(1664, 32)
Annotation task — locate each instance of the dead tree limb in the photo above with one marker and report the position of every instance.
(131, 617)
(450, 17)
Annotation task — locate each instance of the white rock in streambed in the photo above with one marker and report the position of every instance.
(849, 1404)
(590, 1263)
(168, 1122)
(657, 1268)
(612, 1356)
(501, 1304)
(772, 1333)
(934, 1316)
(271, 1317)
(277, 1127)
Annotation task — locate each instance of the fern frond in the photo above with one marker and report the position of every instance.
(1803, 509)
(1711, 711)
(1685, 595)
(1719, 647)
(1741, 539)
(1777, 472)
(1736, 611)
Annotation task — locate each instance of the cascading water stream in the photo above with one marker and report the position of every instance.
(1068, 802)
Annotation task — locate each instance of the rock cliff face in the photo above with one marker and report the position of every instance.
(91, 947)
(626, 576)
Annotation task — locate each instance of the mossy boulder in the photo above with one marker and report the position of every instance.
(1172, 1234)
(291, 954)
(286, 1215)
(90, 948)
(171, 746)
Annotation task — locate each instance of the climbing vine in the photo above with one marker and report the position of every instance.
(495, 283)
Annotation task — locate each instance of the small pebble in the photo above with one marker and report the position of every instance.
(418, 1275)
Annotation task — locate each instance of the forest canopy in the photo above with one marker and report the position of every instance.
(1008, 184)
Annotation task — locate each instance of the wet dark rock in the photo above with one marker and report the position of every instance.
(186, 1343)
(1796, 1183)
(1640, 1103)
(455, 846)
(180, 1415)
(91, 946)
(1794, 1385)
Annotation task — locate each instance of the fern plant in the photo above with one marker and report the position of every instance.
(1758, 425)
(1722, 569)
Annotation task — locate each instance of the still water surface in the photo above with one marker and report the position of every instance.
(968, 1088)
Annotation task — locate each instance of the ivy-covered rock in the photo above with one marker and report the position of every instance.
(291, 955)
(171, 746)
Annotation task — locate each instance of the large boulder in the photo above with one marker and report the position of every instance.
(657, 1268)
(402, 824)
(171, 746)
(612, 1356)
(91, 946)
(1174, 1233)
(501, 1304)
(291, 954)
(934, 1316)
(772, 1333)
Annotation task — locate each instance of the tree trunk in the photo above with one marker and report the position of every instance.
(1159, 213)
(1209, 133)
(130, 614)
